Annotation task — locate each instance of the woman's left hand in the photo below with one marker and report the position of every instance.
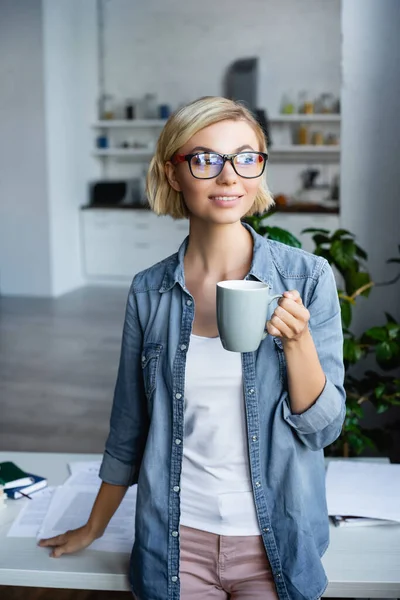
(290, 318)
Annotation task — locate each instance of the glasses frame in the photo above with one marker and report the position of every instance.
(181, 158)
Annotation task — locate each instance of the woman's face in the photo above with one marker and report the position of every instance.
(227, 197)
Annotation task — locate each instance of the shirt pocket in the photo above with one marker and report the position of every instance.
(150, 360)
(281, 360)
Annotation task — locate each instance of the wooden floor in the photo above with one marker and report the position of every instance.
(58, 364)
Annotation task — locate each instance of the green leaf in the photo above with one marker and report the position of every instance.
(351, 350)
(324, 253)
(393, 330)
(313, 230)
(283, 236)
(346, 312)
(380, 390)
(361, 253)
(339, 233)
(320, 238)
(343, 252)
(377, 333)
(355, 280)
(384, 351)
(389, 318)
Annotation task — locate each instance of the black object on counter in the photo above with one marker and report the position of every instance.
(116, 193)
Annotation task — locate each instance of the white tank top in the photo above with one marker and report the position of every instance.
(215, 486)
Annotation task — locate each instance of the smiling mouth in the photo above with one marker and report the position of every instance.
(225, 198)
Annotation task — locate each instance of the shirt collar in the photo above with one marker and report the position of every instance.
(260, 269)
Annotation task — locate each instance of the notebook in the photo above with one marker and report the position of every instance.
(12, 476)
(36, 483)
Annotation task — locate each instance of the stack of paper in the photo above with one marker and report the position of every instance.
(68, 507)
(363, 492)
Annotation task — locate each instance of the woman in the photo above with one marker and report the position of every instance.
(227, 449)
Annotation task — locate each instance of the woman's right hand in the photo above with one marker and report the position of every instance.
(70, 541)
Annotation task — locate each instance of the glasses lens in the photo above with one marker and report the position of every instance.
(206, 165)
(249, 164)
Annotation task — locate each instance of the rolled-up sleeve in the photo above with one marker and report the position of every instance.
(321, 424)
(129, 420)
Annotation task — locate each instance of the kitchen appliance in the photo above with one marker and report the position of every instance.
(109, 193)
(241, 81)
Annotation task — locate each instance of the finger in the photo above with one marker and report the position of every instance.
(296, 326)
(283, 329)
(54, 541)
(297, 310)
(273, 330)
(294, 295)
(59, 551)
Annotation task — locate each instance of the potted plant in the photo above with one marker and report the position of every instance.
(379, 385)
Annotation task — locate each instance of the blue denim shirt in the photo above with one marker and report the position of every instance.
(286, 456)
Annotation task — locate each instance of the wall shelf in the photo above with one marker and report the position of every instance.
(293, 152)
(159, 123)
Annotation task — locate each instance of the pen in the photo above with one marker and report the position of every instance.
(25, 495)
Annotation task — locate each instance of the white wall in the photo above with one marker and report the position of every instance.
(48, 94)
(24, 221)
(370, 173)
(181, 51)
(66, 44)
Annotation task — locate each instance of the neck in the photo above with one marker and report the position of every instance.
(219, 250)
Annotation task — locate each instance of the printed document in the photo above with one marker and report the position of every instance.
(363, 489)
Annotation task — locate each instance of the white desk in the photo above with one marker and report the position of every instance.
(360, 562)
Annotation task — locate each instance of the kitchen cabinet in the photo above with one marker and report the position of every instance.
(118, 243)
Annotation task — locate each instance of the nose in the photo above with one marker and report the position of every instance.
(228, 175)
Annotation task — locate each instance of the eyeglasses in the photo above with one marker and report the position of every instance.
(207, 165)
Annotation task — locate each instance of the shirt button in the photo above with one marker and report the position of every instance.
(174, 534)
(188, 302)
(174, 578)
(178, 396)
(254, 438)
(176, 488)
(266, 529)
(143, 358)
(178, 441)
(258, 484)
(251, 391)
(278, 575)
(183, 347)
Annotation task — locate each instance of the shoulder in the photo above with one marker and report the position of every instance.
(295, 262)
(153, 277)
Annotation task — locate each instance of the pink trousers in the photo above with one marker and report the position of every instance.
(218, 567)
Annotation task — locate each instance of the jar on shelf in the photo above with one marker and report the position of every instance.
(306, 105)
(150, 106)
(107, 107)
(303, 136)
(318, 138)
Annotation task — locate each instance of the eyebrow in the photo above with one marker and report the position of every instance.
(204, 149)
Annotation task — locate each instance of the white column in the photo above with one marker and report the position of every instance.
(370, 157)
(24, 213)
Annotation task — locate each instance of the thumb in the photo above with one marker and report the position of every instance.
(58, 551)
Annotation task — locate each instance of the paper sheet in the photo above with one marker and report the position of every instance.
(30, 518)
(83, 465)
(71, 505)
(363, 489)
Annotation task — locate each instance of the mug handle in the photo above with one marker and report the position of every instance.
(276, 297)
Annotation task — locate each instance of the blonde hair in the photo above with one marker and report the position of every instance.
(180, 127)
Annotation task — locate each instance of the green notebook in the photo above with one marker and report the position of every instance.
(12, 476)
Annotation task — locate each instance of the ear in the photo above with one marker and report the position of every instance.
(170, 173)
